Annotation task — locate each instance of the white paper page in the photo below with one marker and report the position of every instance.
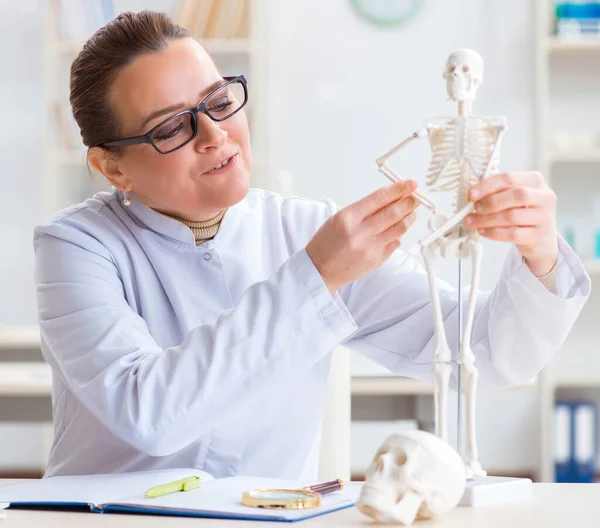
(225, 496)
(94, 489)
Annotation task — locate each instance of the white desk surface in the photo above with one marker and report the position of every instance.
(552, 506)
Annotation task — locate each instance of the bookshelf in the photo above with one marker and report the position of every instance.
(392, 385)
(558, 61)
(25, 378)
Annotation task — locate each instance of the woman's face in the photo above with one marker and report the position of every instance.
(181, 183)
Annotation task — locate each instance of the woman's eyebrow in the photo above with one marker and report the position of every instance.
(178, 106)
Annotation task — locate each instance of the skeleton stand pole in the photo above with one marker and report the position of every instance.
(459, 393)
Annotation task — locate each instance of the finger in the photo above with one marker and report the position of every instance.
(384, 196)
(389, 215)
(517, 216)
(510, 198)
(397, 230)
(390, 248)
(505, 180)
(515, 235)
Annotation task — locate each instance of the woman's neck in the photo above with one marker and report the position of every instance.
(203, 230)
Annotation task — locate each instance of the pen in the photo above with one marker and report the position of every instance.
(185, 484)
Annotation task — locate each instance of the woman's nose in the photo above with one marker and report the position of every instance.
(210, 134)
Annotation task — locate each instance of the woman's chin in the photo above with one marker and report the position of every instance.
(230, 193)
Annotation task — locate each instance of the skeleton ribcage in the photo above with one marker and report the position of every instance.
(461, 151)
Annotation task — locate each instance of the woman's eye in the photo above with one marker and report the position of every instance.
(170, 133)
(220, 106)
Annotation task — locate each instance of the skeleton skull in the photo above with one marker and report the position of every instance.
(413, 475)
(463, 74)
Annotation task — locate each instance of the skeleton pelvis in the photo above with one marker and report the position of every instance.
(457, 243)
(456, 246)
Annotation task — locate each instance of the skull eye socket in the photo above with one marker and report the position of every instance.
(451, 68)
(465, 68)
(401, 459)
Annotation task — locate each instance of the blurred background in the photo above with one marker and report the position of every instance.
(333, 85)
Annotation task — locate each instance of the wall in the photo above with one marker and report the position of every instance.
(21, 159)
(344, 92)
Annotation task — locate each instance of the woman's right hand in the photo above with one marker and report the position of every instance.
(361, 236)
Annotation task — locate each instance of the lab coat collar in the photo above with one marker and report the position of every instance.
(172, 228)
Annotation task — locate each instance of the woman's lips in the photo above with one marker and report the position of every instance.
(231, 162)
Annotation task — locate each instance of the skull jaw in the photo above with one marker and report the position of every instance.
(380, 504)
(461, 90)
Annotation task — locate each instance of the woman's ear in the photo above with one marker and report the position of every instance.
(104, 163)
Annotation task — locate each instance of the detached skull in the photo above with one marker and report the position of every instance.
(463, 74)
(414, 475)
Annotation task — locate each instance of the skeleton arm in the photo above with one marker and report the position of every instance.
(393, 177)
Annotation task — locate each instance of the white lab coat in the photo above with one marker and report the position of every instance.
(167, 354)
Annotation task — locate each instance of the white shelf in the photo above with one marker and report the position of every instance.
(213, 45)
(582, 156)
(557, 45)
(19, 336)
(25, 378)
(575, 379)
(398, 385)
(389, 385)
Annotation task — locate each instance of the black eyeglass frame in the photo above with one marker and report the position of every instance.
(147, 137)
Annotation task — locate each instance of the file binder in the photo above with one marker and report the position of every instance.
(585, 443)
(575, 440)
(562, 442)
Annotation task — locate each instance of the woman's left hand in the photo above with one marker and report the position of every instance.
(518, 207)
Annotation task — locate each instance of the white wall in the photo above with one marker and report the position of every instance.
(341, 101)
(21, 153)
(343, 92)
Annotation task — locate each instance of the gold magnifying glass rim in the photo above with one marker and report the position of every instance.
(252, 498)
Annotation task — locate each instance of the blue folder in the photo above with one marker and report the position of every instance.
(575, 440)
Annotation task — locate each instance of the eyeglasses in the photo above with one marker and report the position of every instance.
(179, 129)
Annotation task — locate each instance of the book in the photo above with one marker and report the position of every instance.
(125, 492)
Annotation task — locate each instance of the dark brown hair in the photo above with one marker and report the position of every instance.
(109, 49)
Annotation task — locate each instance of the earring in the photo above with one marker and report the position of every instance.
(127, 198)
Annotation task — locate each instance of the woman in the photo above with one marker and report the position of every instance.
(188, 319)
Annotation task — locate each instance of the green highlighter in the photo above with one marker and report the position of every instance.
(185, 484)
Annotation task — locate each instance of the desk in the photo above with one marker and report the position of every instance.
(553, 506)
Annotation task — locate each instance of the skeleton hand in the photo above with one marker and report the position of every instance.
(360, 237)
(518, 207)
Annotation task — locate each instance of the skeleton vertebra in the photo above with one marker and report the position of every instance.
(465, 150)
(413, 475)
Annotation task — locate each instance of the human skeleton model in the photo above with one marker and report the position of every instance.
(465, 150)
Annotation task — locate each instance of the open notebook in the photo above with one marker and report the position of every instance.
(124, 492)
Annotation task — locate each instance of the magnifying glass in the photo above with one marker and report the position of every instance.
(290, 499)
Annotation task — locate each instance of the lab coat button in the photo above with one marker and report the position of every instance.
(207, 256)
